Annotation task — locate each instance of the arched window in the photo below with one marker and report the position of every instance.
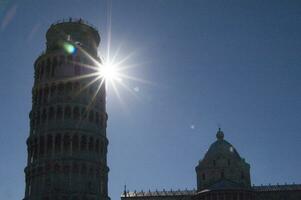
(75, 168)
(70, 59)
(76, 113)
(83, 169)
(76, 87)
(83, 143)
(104, 149)
(77, 69)
(91, 116)
(33, 172)
(57, 168)
(75, 143)
(49, 144)
(40, 96)
(229, 162)
(83, 113)
(44, 115)
(48, 168)
(59, 113)
(222, 174)
(61, 89)
(53, 67)
(57, 143)
(46, 93)
(242, 176)
(52, 90)
(68, 88)
(67, 112)
(101, 187)
(97, 146)
(91, 143)
(91, 90)
(214, 163)
(51, 113)
(91, 171)
(97, 118)
(66, 169)
(40, 170)
(62, 60)
(203, 176)
(66, 143)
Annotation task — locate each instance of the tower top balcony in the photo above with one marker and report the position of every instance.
(75, 31)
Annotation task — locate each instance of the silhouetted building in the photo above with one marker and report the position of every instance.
(67, 145)
(222, 175)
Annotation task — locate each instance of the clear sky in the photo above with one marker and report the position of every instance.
(234, 64)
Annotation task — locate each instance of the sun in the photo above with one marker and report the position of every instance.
(109, 71)
(112, 72)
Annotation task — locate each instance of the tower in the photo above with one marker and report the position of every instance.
(67, 145)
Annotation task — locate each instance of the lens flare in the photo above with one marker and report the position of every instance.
(108, 71)
(111, 71)
(69, 48)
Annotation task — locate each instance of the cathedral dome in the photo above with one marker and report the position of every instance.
(222, 164)
(221, 147)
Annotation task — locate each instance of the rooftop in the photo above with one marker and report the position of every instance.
(269, 188)
(186, 192)
(74, 20)
(159, 193)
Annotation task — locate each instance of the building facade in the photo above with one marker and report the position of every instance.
(222, 175)
(67, 144)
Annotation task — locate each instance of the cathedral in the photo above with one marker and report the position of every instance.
(222, 175)
(67, 143)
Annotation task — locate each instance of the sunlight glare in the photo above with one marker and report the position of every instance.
(109, 72)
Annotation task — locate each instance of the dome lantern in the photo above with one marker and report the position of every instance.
(220, 134)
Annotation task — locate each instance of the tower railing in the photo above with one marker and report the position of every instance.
(75, 20)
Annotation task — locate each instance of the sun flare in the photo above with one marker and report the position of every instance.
(109, 72)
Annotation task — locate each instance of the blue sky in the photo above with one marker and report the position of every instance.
(233, 64)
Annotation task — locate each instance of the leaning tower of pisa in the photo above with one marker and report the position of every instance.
(67, 144)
